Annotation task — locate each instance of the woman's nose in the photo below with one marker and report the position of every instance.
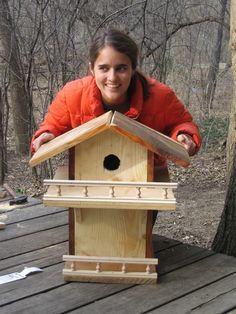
(112, 74)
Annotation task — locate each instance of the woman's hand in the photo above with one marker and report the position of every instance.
(43, 138)
(187, 141)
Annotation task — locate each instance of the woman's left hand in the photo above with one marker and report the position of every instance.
(187, 141)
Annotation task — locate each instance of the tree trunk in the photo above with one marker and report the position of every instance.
(225, 238)
(2, 162)
(232, 119)
(9, 53)
(214, 66)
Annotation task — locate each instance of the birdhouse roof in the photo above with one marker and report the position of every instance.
(152, 140)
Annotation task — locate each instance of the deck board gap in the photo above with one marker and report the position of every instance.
(190, 292)
(33, 294)
(39, 231)
(37, 217)
(230, 310)
(211, 253)
(99, 299)
(204, 303)
(29, 204)
(26, 252)
(167, 248)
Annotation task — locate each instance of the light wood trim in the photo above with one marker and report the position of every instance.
(71, 138)
(62, 172)
(154, 141)
(110, 277)
(150, 213)
(116, 204)
(109, 259)
(171, 185)
(111, 194)
(110, 269)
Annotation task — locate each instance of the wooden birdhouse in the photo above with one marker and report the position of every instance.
(109, 190)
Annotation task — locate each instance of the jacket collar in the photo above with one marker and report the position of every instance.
(96, 105)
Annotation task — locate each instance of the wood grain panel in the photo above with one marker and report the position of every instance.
(105, 232)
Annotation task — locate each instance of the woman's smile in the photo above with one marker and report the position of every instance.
(112, 86)
(113, 72)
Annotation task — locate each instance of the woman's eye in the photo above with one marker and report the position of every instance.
(103, 68)
(122, 68)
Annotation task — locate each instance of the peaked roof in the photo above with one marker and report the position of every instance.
(152, 140)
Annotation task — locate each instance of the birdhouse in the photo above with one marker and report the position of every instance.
(109, 190)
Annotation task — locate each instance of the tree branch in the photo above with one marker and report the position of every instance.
(117, 13)
(182, 25)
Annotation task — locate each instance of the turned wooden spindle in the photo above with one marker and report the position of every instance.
(123, 269)
(72, 266)
(112, 191)
(98, 268)
(165, 193)
(148, 269)
(138, 191)
(58, 190)
(85, 191)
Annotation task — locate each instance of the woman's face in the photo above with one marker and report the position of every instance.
(112, 71)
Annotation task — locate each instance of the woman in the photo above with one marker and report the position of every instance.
(116, 84)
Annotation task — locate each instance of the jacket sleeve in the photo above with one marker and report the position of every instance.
(179, 120)
(57, 119)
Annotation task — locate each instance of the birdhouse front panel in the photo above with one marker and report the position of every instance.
(109, 156)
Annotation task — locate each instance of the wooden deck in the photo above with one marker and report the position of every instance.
(191, 279)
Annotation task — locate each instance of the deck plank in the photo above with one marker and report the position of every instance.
(179, 255)
(70, 296)
(232, 311)
(221, 304)
(162, 243)
(190, 278)
(38, 224)
(26, 213)
(39, 258)
(217, 297)
(5, 207)
(73, 294)
(39, 282)
(141, 299)
(34, 241)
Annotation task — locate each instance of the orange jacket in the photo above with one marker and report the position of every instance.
(80, 101)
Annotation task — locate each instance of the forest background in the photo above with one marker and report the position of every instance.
(183, 43)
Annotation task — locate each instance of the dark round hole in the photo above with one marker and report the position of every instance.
(111, 162)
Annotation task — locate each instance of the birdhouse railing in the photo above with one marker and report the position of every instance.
(88, 267)
(92, 194)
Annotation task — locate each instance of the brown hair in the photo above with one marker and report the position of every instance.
(126, 45)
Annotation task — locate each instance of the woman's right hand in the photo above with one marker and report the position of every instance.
(43, 138)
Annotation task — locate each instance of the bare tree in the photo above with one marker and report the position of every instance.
(47, 43)
(225, 238)
(215, 60)
(231, 139)
(2, 146)
(11, 55)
